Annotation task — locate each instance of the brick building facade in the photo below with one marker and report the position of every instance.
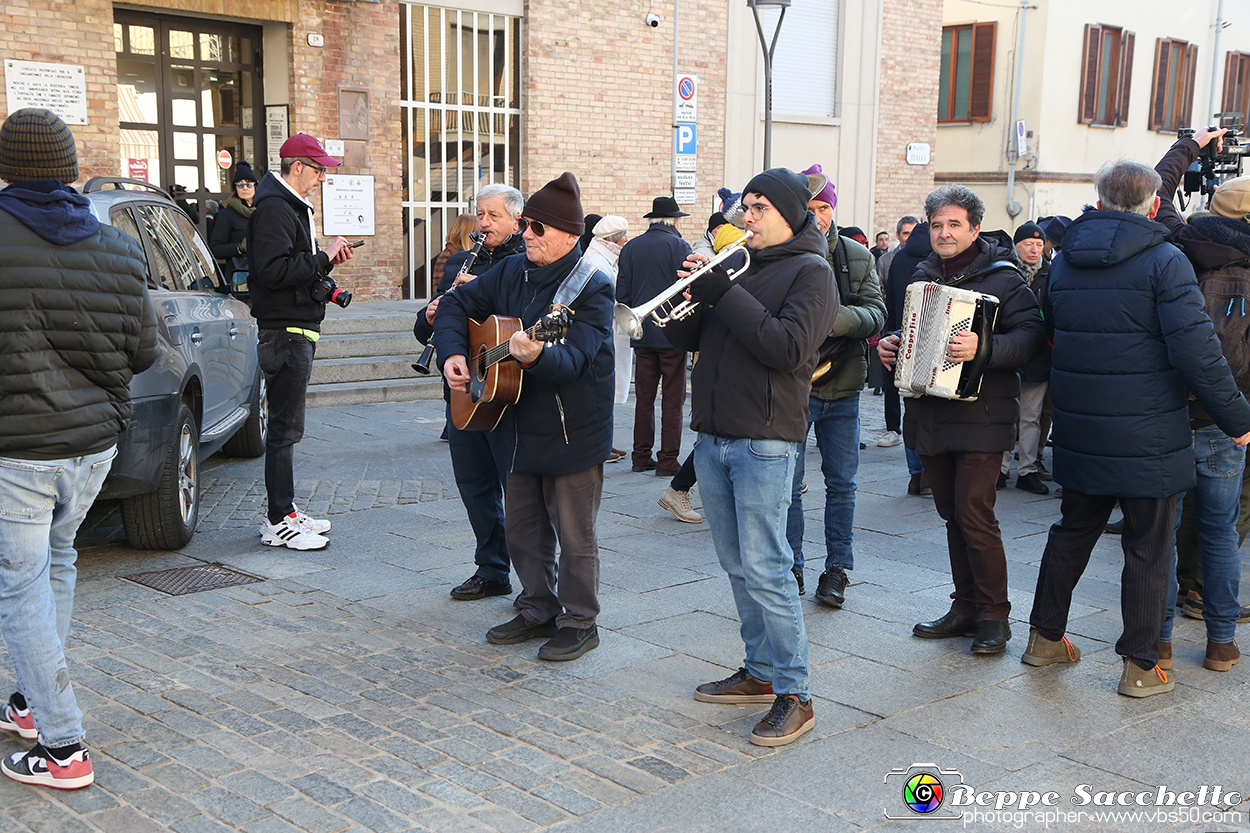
(594, 97)
(911, 57)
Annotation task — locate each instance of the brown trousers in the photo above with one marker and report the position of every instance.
(964, 492)
(650, 367)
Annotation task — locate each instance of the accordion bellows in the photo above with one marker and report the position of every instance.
(932, 315)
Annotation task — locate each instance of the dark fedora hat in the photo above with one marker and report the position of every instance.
(665, 207)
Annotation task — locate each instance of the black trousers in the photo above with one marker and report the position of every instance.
(1147, 543)
(286, 360)
(893, 404)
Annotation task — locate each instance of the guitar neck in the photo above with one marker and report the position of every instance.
(500, 352)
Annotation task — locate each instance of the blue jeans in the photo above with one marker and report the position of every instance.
(744, 484)
(42, 504)
(480, 476)
(1219, 463)
(837, 436)
(914, 466)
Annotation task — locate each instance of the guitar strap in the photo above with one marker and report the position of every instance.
(573, 284)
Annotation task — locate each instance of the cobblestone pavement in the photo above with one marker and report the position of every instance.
(347, 692)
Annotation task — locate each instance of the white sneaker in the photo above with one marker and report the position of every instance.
(291, 534)
(679, 504)
(889, 439)
(311, 524)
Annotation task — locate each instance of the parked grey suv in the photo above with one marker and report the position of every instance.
(204, 393)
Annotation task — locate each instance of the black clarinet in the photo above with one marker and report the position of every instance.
(422, 364)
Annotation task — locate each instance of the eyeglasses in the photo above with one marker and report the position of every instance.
(535, 226)
(244, 184)
(318, 168)
(756, 210)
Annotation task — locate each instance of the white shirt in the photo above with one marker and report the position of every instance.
(312, 221)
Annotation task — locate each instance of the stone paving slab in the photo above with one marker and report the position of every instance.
(348, 692)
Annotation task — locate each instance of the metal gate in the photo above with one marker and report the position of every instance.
(460, 100)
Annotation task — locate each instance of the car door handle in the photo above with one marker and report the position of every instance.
(197, 337)
(234, 333)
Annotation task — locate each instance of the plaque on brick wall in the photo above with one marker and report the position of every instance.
(918, 153)
(353, 114)
(61, 88)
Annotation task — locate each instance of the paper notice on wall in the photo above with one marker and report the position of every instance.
(61, 88)
(347, 206)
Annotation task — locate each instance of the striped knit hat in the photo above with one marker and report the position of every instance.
(36, 144)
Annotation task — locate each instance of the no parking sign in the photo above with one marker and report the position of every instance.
(686, 98)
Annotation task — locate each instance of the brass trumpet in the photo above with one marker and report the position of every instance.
(668, 305)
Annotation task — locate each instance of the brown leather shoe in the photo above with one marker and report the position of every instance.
(739, 688)
(1165, 656)
(785, 722)
(1221, 656)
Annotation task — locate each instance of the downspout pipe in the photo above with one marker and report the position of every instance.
(1013, 150)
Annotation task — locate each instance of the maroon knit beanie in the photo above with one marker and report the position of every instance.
(558, 204)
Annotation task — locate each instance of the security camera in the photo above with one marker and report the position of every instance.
(652, 20)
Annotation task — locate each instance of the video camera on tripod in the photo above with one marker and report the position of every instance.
(1213, 165)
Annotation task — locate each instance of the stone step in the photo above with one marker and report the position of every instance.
(376, 323)
(383, 390)
(365, 369)
(359, 345)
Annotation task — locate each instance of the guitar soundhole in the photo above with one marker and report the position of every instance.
(480, 365)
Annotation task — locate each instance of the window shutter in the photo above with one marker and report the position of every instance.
(1086, 110)
(1191, 72)
(1159, 85)
(981, 97)
(1126, 77)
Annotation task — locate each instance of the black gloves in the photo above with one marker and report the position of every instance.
(710, 288)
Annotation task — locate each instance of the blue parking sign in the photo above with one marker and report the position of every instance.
(685, 139)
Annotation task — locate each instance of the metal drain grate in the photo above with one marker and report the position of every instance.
(183, 580)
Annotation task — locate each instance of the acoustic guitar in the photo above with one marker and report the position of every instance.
(494, 375)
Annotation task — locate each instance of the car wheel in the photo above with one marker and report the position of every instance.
(249, 440)
(166, 518)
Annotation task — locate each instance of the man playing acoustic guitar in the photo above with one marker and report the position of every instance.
(559, 432)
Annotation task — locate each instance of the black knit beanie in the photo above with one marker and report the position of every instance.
(243, 172)
(786, 190)
(36, 144)
(1028, 231)
(558, 204)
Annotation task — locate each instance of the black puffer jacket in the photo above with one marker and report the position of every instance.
(1131, 340)
(757, 346)
(932, 425)
(76, 323)
(284, 260)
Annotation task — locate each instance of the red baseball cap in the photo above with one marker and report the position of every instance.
(301, 144)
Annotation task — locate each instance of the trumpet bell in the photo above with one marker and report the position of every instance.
(627, 321)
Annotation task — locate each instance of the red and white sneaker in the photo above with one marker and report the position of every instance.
(21, 722)
(39, 766)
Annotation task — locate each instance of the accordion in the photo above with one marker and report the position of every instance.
(932, 315)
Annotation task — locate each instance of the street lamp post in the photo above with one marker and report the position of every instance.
(768, 69)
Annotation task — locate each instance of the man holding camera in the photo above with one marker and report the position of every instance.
(290, 283)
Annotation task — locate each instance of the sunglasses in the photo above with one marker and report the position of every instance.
(538, 228)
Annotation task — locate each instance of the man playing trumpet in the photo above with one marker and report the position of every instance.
(757, 335)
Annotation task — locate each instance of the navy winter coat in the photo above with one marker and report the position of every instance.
(647, 266)
(1131, 341)
(563, 422)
